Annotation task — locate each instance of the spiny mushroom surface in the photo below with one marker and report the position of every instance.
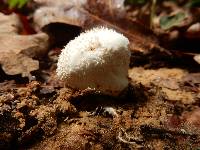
(97, 59)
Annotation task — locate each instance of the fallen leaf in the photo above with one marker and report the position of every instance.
(17, 51)
(163, 77)
(197, 58)
(167, 22)
(34, 46)
(18, 64)
(9, 24)
(168, 81)
(89, 13)
(193, 31)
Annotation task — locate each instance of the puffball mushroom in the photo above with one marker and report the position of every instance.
(97, 59)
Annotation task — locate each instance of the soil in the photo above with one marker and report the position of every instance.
(159, 110)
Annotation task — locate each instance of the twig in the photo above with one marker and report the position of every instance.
(153, 11)
(129, 138)
(150, 130)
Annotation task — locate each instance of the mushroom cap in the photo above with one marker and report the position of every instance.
(97, 59)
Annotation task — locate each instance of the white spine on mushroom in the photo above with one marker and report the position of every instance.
(97, 59)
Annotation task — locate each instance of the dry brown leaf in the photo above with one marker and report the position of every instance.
(90, 13)
(9, 24)
(193, 31)
(162, 77)
(31, 45)
(18, 64)
(170, 82)
(197, 58)
(16, 50)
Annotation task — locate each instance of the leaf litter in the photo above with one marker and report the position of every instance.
(18, 51)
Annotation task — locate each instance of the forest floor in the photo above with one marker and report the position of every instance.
(160, 109)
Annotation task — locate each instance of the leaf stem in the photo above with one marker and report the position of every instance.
(153, 11)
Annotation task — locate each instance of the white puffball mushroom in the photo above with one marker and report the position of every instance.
(97, 59)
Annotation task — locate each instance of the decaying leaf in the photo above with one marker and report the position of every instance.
(18, 64)
(17, 50)
(34, 46)
(173, 25)
(9, 24)
(168, 78)
(197, 58)
(167, 22)
(168, 81)
(90, 13)
(193, 31)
